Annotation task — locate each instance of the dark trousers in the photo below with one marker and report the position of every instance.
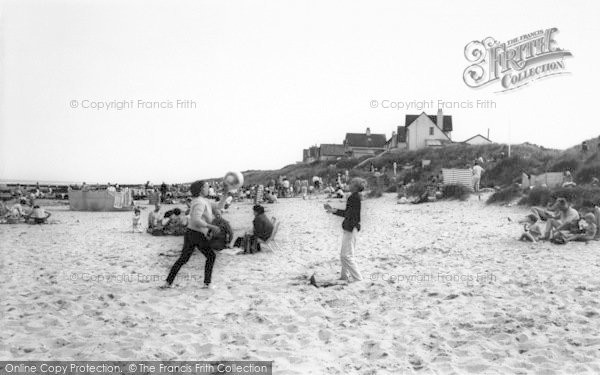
(192, 240)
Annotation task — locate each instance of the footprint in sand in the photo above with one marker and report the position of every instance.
(415, 362)
(325, 335)
(292, 328)
(372, 350)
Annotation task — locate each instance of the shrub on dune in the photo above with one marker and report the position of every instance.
(538, 196)
(455, 191)
(416, 190)
(505, 195)
(576, 195)
(586, 173)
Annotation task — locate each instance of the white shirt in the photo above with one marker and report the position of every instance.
(201, 211)
(477, 170)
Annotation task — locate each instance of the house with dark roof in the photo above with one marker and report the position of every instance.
(323, 152)
(361, 144)
(420, 131)
(331, 151)
(478, 140)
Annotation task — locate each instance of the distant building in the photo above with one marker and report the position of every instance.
(323, 152)
(361, 144)
(420, 131)
(310, 154)
(331, 151)
(478, 140)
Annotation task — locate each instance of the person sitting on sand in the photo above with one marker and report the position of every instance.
(271, 197)
(176, 224)
(154, 217)
(351, 227)
(590, 231)
(160, 229)
(18, 212)
(222, 239)
(566, 218)
(568, 180)
(533, 230)
(136, 221)
(38, 215)
(262, 228)
(588, 207)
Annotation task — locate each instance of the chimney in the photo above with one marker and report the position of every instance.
(440, 119)
(394, 139)
(368, 132)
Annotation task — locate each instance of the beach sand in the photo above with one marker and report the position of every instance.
(447, 289)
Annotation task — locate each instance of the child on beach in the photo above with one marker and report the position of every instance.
(351, 227)
(533, 230)
(154, 217)
(136, 221)
(590, 230)
(38, 215)
(589, 207)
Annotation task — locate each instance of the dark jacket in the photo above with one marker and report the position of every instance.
(351, 214)
(263, 228)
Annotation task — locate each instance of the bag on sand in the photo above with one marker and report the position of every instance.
(248, 243)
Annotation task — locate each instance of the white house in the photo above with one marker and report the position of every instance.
(478, 140)
(420, 131)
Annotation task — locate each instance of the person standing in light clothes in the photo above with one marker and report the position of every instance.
(351, 227)
(477, 171)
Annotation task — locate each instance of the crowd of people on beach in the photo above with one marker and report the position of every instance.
(171, 222)
(561, 223)
(24, 211)
(204, 224)
(200, 221)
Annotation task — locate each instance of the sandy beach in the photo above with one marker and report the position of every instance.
(447, 289)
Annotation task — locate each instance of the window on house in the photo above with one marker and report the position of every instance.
(431, 130)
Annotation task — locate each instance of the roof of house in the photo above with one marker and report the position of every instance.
(363, 140)
(446, 123)
(475, 136)
(332, 150)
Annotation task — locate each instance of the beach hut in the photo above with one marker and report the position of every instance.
(455, 176)
(154, 198)
(100, 200)
(550, 179)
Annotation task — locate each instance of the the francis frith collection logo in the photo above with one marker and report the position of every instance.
(514, 63)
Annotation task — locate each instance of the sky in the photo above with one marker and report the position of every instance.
(247, 85)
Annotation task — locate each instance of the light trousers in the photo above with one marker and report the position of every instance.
(349, 267)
